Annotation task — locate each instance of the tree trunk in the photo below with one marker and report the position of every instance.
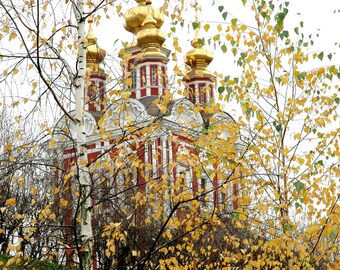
(86, 237)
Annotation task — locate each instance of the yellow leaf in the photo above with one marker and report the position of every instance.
(63, 202)
(11, 158)
(8, 146)
(118, 8)
(206, 27)
(301, 161)
(321, 71)
(5, 29)
(12, 36)
(15, 71)
(125, 94)
(11, 201)
(243, 28)
(320, 121)
(45, 6)
(52, 144)
(128, 82)
(34, 190)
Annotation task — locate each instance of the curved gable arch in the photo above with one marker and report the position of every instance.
(65, 129)
(124, 113)
(183, 113)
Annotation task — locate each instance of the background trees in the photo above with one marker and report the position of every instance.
(287, 169)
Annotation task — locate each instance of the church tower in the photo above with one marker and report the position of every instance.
(147, 58)
(200, 81)
(96, 77)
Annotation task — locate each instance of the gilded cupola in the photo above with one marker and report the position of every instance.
(94, 54)
(145, 22)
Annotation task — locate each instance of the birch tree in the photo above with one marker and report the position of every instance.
(282, 210)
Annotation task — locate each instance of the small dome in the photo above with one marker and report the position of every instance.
(94, 54)
(198, 58)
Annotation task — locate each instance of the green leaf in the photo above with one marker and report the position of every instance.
(330, 55)
(249, 111)
(319, 162)
(244, 2)
(229, 89)
(278, 127)
(221, 89)
(233, 21)
(297, 205)
(320, 56)
(224, 48)
(333, 234)
(201, 41)
(337, 100)
(220, 8)
(287, 227)
(224, 15)
(299, 186)
(195, 25)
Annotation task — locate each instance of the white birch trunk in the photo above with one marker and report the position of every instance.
(86, 236)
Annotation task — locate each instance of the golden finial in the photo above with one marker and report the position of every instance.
(91, 39)
(195, 42)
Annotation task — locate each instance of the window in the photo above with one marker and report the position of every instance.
(201, 93)
(153, 75)
(192, 92)
(206, 190)
(134, 78)
(143, 76)
(163, 77)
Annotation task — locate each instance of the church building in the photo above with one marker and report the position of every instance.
(144, 147)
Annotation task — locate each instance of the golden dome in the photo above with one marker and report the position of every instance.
(137, 18)
(94, 54)
(145, 21)
(198, 58)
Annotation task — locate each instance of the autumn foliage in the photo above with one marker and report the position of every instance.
(249, 180)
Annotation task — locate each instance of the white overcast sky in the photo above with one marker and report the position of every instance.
(315, 14)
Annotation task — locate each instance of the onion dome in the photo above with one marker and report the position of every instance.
(145, 21)
(94, 54)
(198, 58)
